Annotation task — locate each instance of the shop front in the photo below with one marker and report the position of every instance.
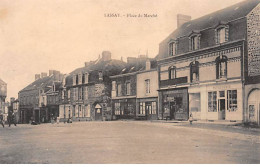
(147, 108)
(216, 102)
(175, 104)
(124, 108)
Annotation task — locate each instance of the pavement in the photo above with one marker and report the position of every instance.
(130, 142)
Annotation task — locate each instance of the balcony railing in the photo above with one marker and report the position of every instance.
(175, 81)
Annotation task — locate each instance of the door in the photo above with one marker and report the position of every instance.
(221, 109)
(172, 110)
(148, 109)
(98, 112)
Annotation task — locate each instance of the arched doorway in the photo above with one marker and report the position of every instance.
(254, 106)
(98, 112)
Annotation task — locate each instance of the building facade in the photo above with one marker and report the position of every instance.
(205, 66)
(129, 100)
(33, 99)
(86, 94)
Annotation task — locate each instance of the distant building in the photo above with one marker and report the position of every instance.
(210, 66)
(86, 92)
(33, 99)
(129, 99)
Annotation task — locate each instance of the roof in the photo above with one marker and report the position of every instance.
(109, 67)
(45, 83)
(228, 14)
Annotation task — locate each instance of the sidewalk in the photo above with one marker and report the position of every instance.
(227, 126)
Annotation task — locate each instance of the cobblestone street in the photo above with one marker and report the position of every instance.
(128, 142)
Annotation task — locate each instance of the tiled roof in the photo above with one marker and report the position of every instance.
(45, 83)
(225, 15)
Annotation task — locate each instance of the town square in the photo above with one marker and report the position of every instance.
(130, 82)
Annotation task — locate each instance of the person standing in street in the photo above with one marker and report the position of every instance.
(2, 120)
(11, 118)
(191, 118)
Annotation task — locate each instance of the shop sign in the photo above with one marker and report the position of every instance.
(221, 87)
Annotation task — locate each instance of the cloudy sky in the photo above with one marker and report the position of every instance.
(38, 35)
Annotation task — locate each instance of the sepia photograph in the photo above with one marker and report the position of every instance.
(129, 82)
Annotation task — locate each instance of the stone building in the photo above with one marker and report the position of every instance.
(33, 98)
(125, 89)
(210, 66)
(86, 91)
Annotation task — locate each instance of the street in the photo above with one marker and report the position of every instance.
(128, 142)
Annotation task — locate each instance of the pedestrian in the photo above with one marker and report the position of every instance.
(2, 120)
(191, 118)
(11, 119)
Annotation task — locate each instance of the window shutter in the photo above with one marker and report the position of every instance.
(190, 43)
(226, 33)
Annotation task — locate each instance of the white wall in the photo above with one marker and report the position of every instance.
(141, 91)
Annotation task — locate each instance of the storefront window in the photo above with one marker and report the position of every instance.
(117, 108)
(142, 108)
(212, 101)
(194, 102)
(232, 100)
(153, 107)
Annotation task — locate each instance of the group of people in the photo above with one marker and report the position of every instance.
(10, 119)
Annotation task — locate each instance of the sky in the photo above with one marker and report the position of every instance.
(39, 35)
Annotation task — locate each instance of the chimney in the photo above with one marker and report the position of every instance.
(147, 65)
(131, 60)
(106, 55)
(43, 74)
(51, 72)
(142, 56)
(181, 19)
(37, 76)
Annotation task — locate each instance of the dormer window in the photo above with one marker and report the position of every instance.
(194, 40)
(79, 78)
(172, 72)
(221, 35)
(172, 48)
(53, 87)
(100, 75)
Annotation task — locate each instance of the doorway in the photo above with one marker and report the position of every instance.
(221, 109)
(98, 112)
(172, 109)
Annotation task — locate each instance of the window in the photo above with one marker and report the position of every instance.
(142, 108)
(79, 78)
(154, 107)
(117, 108)
(86, 78)
(222, 34)
(68, 93)
(172, 48)
(195, 42)
(172, 72)
(80, 93)
(221, 67)
(232, 100)
(194, 71)
(212, 101)
(87, 110)
(85, 94)
(100, 75)
(114, 86)
(128, 88)
(62, 94)
(80, 111)
(147, 86)
(119, 91)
